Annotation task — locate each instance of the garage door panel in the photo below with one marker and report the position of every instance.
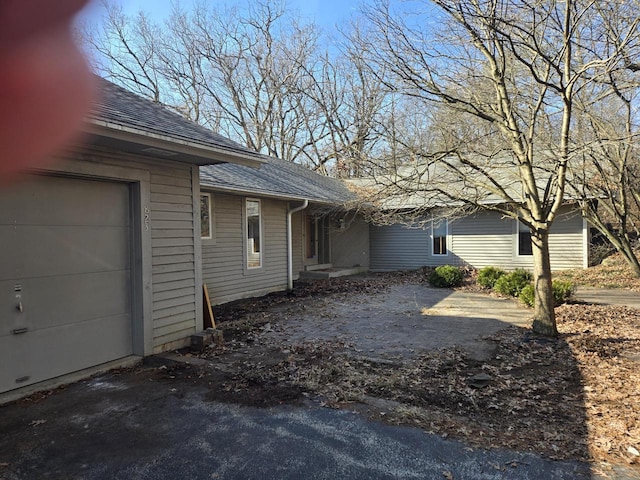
(37, 251)
(44, 354)
(41, 200)
(65, 278)
(52, 301)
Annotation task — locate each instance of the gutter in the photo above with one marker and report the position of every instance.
(290, 213)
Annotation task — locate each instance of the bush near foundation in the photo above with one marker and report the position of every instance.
(488, 276)
(446, 276)
(512, 283)
(563, 290)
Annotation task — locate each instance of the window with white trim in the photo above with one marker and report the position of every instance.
(524, 240)
(254, 236)
(439, 232)
(206, 217)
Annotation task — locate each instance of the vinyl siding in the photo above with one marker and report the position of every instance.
(175, 285)
(483, 239)
(397, 247)
(223, 258)
(350, 245)
(175, 282)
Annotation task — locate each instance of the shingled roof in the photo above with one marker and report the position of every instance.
(276, 178)
(143, 126)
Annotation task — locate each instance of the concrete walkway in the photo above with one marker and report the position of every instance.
(401, 322)
(608, 296)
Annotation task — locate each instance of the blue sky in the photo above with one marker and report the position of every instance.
(326, 13)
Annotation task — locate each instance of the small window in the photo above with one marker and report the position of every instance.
(206, 224)
(254, 238)
(524, 240)
(439, 235)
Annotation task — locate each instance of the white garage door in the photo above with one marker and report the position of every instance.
(65, 278)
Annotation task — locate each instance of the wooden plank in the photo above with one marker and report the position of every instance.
(209, 321)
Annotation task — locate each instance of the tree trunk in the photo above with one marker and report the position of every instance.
(631, 258)
(544, 318)
(621, 242)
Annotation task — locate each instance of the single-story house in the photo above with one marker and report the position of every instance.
(479, 240)
(440, 231)
(263, 228)
(99, 247)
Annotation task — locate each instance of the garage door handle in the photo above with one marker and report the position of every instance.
(18, 331)
(20, 307)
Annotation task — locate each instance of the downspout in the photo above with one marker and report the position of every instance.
(290, 213)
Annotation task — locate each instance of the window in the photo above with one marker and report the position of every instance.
(206, 224)
(254, 238)
(524, 240)
(439, 235)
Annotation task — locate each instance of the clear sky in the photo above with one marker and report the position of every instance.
(326, 13)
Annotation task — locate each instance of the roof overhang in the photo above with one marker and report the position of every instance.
(265, 194)
(143, 142)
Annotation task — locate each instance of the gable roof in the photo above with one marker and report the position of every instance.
(278, 179)
(128, 121)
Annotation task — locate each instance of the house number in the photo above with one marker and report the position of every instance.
(146, 218)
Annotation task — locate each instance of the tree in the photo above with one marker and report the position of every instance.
(253, 73)
(605, 174)
(507, 74)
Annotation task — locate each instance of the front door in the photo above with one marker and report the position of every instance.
(310, 240)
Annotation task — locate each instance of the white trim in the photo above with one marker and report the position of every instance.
(447, 239)
(260, 251)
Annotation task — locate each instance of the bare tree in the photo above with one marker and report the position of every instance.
(512, 69)
(604, 176)
(253, 73)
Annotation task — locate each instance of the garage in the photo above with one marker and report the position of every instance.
(65, 277)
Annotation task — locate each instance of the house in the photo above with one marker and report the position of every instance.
(481, 239)
(440, 231)
(263, 228)
(101, 248)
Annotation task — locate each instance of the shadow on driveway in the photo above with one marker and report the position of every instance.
(157, 423)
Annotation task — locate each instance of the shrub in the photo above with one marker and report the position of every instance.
(513, 283)
(446, 276)
(562, 291)
(527, 295)
(488, 276)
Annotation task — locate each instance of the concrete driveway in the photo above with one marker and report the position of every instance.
(400, 322)
(158, 423)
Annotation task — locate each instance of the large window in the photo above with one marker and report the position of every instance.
(254, 238)
(524, 240)
(439, 230)
(206, 223)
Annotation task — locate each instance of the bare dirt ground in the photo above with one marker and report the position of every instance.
(574, 397)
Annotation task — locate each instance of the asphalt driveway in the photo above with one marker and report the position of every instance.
(143, 425)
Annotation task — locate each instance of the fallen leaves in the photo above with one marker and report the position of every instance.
(574, 397)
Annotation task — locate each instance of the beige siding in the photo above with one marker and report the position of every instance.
(349, 242)
(223, 257)
(173, 255)
(484, 239)
(174, 284)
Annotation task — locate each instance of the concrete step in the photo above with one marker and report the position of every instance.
(333, 272)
